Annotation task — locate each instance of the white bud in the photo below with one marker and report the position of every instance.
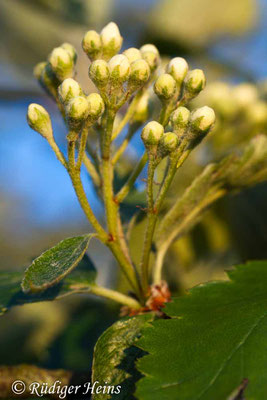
(38, 70)
(202, 118)
(111, 40)
(71, 50)
(91, 44)
(39, 120)
(152, 59)
(168, 143)
(77, 111)
(149, 47)
(132, 54)
(119, 67)
(96, 105)
(178, 68)
(140, 72)
(152, 133)
(99, 72)
(180, 119)
(68, 89)
(61, 63)
(195, 81)
(165, 87)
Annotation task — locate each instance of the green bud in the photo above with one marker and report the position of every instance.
(149, 47)
(140, 72)
(71, 50)
(119, 67)
(96, 105)
(77, 112)
(152, 133)
(68, 89)
(38, 70)
(111, 40)
(202, 119)
(165, 87)
(49, 81)
(91, 44)
(168, 143)
(39, 120)
(141, 110)
(61, 63)
(132, 54)
(178, 69)
(152, 59)
(195, 82)
(180, 120)
(99, 73)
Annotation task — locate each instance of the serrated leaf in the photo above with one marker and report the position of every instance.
(78, 280)
(115, 356)
(54, 264)
(216, 338)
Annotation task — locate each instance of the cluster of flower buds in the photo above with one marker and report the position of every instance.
(58, 67)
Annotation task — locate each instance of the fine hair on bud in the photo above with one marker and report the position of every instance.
(152, 133)
(168, 143)
(39, 120)
(177, 68)
(77, 111)
(99, 73)
(111, 40)
(195, 81)
(140, 72)
(119, 68)
(180, 119)
(61, 63)
(202, 119)
(91, 44)
(71, 50)
(69, 89)
(96, 105)
(165, 87)
(132, 54)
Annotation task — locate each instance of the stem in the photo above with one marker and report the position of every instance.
(58, 153)
(121, 149)
(82, 147)
(91, 170)
(165, 113)
(131, 180)
(115, 296)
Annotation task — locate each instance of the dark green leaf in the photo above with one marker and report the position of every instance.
(216, 338)
(115, 356)
(11, 294)
(54, 264)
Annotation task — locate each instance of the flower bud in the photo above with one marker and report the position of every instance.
(48, 80)
(142, 110)
(71, 50)
(111, 40)
(180, 120)
(152, 133)
(202, 119)
(91, 44)
(39, 120)
(132, 54)
(99, 73)
(96, 105)
(68, 89)
(119, 67)
(195, 82)
(140, 72)
(168, 143)
(77, 111)
(149, 47)
(61, 63)
(165, 87)
(178, 69)
(152, 59)
(38, 70)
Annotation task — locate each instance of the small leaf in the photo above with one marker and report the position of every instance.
(54, 264)
(215, 341)
(77, 281)
(115, 356)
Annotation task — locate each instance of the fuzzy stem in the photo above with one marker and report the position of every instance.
(58, 153)
(123, 146)
(91, 170)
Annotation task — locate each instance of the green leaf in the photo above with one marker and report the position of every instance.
(216, 338)
(115, 356)
(77, 281)
(54, 264)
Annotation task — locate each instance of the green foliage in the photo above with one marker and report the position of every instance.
(54, 264)
(216, 337)
(115, 355)
(77, 281)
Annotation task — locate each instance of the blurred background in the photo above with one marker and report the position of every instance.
(228, 39)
